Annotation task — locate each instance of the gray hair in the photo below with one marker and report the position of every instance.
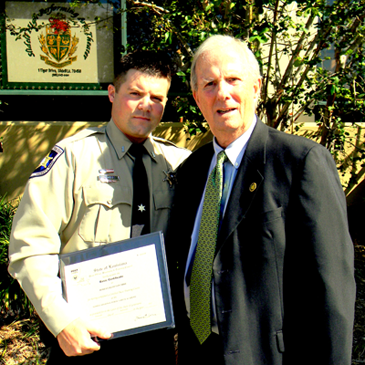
(220, 42)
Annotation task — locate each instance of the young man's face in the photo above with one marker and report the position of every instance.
(139, 104)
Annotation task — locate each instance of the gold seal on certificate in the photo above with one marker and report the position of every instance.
(122, 286)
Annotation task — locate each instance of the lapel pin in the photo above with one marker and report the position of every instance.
(253, 187)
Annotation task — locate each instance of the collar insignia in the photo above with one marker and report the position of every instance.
(170, 177)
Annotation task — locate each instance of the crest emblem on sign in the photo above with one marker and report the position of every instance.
(58, 44)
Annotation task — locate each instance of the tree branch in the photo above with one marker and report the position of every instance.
(157, 9)
(273, 41)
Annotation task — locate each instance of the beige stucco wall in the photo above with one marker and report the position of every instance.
(26, 143)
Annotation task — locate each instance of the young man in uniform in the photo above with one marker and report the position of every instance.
(82, 195)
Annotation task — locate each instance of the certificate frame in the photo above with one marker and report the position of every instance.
(156, 239)
(29, 62)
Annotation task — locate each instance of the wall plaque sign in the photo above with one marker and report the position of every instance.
(56, 46)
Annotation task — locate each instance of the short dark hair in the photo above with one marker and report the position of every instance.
(153, 63)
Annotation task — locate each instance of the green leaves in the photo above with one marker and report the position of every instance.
(260, 37)
(168, 37)
(13, 301)
(311, 56)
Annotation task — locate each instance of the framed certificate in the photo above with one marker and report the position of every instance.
(123, 287)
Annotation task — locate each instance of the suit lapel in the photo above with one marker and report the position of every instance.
(247, 183)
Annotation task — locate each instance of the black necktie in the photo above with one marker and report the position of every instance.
(141, 196)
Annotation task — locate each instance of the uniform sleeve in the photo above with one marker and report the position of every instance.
(319, 285)
(34, 248)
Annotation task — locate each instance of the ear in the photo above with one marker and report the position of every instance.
(111, 93)
(257, 87)
(196, 98)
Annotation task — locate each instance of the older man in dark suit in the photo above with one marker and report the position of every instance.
(260, 233)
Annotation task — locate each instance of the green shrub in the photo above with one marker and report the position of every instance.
(13, 301)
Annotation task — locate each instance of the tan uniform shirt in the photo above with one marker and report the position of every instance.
(65, 208)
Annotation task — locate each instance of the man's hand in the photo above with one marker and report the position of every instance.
(75, 339)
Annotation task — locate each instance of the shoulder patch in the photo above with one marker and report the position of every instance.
(48, 162)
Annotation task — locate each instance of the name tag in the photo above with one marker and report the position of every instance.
(108, 179)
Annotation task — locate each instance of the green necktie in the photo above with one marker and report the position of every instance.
(201, 276)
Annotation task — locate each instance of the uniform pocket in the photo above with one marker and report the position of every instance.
(103, 204)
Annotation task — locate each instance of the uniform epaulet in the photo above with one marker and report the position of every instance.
(81, 135)
(165, 141)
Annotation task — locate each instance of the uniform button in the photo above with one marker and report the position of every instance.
(109, 201)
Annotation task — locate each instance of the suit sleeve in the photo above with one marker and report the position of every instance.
(319, 286)
(35, 244)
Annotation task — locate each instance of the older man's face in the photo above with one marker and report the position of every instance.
(226, 95)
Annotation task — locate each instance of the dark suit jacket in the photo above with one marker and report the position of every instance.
(283, 271)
